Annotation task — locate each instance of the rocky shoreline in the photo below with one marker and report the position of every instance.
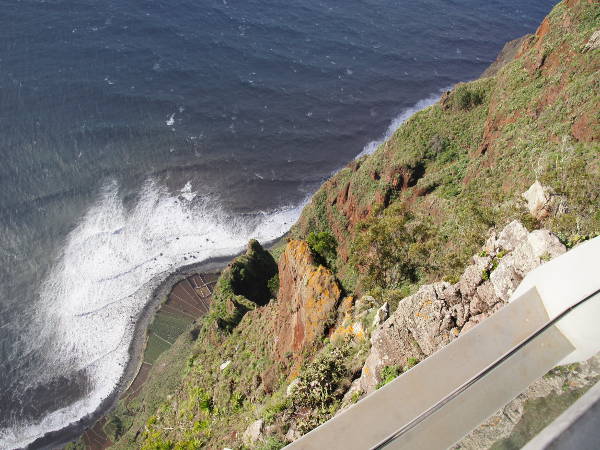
(159, 289)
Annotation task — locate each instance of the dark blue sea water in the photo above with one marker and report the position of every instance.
(137, 136)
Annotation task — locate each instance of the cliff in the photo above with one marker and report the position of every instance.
(458, 167)
(398, 254)
(242, 286)
(440, 312)
(308, 296)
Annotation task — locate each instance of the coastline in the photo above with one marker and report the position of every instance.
(158, 291)
(161, 285)
(136, 144)
(157, 294)
(159, 288)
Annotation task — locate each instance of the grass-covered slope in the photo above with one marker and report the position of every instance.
(459, 167)
(243, 285)
(233, 375)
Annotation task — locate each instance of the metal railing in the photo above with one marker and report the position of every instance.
(398, 434)
(551, 319)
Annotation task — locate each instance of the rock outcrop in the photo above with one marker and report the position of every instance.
(243, 285)
(593, 43)
(253, 433)
(541, 201)
(381, 315)
(356, 319)
(307, 300)
(439, 312)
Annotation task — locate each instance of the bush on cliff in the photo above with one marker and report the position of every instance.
(321, 386)
(388, 374)
(393, 250)
(324, 246)
(466, 96)
(242, 286)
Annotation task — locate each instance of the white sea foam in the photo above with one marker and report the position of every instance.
(187, 193)
(91, 300)
(399, 120)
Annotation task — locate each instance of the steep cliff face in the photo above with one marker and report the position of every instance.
(306, 303)
(553, 57)
(440, 312)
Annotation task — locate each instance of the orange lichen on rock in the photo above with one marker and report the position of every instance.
(308, 296)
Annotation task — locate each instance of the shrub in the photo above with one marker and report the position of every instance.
(392, 251)
(320, 387)
(273, 285)
(204, 400)
(411, 362)
(320, 379)
(272, 443)
(237, 401)
(324, 246)
(356, 395)
(278, 404)
(466, 97)
(114, 428)
(388, 374)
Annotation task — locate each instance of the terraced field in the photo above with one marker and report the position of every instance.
(188, 301)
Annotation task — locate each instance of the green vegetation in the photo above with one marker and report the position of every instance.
(466, 96)
(458, 168)
(413, 212)
(321, 387)
(324, 246)
(388, 374)
(273, 285)
(392, 250)
(243, 285)
(272, 443)
(411, 362)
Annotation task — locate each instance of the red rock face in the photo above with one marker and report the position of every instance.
(347, 200)
(583, 129)
(308, 296)
(537, 60)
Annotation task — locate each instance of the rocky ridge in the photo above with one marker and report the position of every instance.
(440, 312)
(308, 297)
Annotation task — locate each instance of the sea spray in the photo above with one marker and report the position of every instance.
(89, 303)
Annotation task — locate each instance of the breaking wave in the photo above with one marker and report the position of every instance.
(110, 264)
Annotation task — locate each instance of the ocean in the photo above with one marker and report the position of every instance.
(138, 136)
